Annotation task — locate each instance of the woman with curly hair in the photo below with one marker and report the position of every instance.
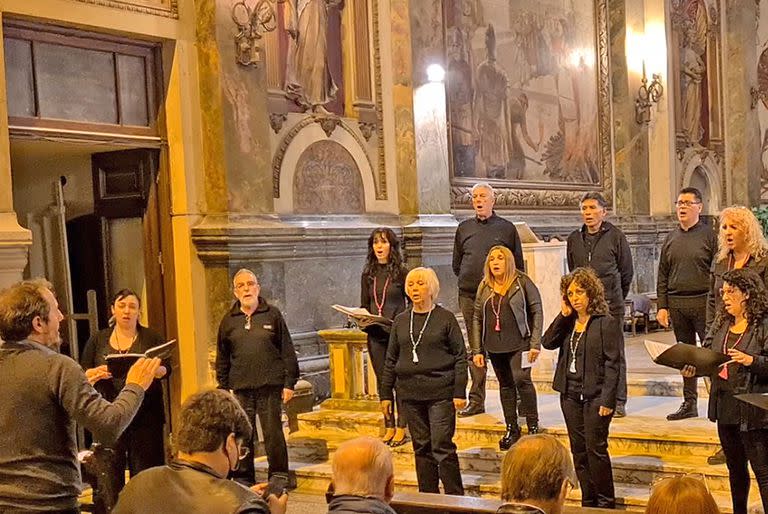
(587, 376)
(740, 330)
(382, 292)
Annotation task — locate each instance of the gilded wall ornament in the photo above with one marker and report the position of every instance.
(253, 21)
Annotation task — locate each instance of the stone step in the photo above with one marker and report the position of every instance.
(635, 470)
(638, 384)
(313, 478)
(639, 434)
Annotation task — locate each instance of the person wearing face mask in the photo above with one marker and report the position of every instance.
(142, 445)
(382, 293)
(427, 362)
(255, 359)
(740, 330)
(44, 394)
(474, 238)
(682, 284)
(507, 323)
(587, 378)
(211, 439)
(740, 244)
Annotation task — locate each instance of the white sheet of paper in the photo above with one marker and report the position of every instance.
(525, 360)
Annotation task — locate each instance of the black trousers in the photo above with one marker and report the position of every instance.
(588, 435)
(432, 425)
(687, 322)
(267, 402)
(621, 388)
(140, 447)
(476, 374)
(377, 351)
(741, 447)
(514, 380)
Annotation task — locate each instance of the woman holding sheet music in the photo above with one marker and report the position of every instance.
(506, 324)
(382, 292)
(142, 443)
(740, 330)
(587, 377)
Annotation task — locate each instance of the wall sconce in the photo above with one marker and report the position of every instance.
(647, 95)
(252, 23)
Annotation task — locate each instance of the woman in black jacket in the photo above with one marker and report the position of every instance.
(507, 324)
(382, 293)
(740, 330)
(586, 377)
(427, 362)
(142, 445)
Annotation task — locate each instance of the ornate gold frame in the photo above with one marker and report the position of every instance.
(172, 11)
(532, 195)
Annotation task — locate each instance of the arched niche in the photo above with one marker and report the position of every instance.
(327, 181)
(704, 175)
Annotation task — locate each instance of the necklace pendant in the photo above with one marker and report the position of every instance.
(497, 328)
(380, 314)
(415, 357)
(572, 368)
(723, 373)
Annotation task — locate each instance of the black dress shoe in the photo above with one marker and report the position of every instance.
(533, 428)
(471, 410)
(511, 436)
(621, 411)
(687, 410)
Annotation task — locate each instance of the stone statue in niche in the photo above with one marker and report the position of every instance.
(327, 181)
(308, 79)
(693, 27)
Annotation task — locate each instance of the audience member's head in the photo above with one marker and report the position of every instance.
(681, 495)
(213, 428)
(29, 310)
(537, 470)
(363, 467)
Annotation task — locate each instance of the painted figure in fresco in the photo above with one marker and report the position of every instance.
(518, 109)
(460, 103)
(491, 121)
(308, 78)
(693, 68)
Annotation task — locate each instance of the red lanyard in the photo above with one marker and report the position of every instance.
(380, 306)
(724, 372)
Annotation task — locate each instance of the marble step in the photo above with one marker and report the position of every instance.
(638, 384)
(635, 470)
(313, 478)
(638, 434)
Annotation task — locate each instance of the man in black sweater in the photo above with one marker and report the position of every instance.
(256, 360)
(603, 247)
(683, 283)
(474, 237)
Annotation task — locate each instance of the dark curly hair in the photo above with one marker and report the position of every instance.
(207, 418)
(587, 279)
(751, 284)
(395, 265)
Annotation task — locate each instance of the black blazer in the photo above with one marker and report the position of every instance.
(755, 380)
(601, 344)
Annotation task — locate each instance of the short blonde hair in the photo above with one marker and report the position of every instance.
(745, 219)
(362, 467)
(429, 276)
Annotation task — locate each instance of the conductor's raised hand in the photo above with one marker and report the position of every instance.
(98, 373)
(143, 372)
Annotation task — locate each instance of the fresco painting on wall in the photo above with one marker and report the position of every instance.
(522, 91)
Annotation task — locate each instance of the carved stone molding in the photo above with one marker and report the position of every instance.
(534, 195)
(276, 121)
(367, 129)
(277, 159)
(382, 172)
(327, 123)
(172, 11)
(526, 198)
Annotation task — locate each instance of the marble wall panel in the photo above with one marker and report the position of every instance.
(327, 181)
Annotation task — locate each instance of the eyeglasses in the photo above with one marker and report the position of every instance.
(242, 452)
(686, 203)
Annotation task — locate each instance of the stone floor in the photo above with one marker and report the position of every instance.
(644, 445)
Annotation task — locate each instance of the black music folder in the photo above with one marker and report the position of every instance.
(678, 355)
(756, 399)
(119, 363)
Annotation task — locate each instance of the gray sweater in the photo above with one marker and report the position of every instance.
(42, 395)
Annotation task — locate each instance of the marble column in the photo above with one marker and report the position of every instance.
(14, 239)
(742, 144)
